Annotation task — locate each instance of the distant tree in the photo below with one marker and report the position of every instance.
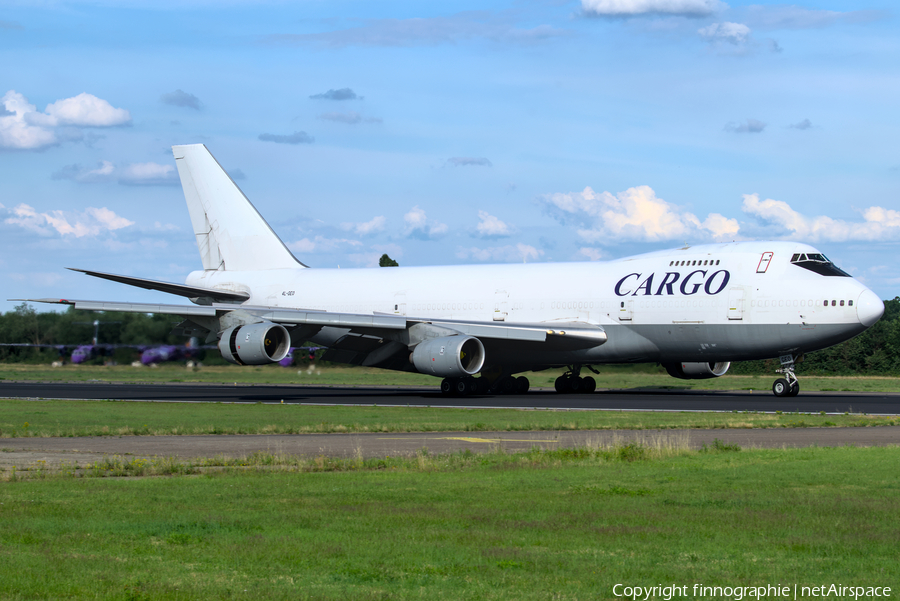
(386, 261)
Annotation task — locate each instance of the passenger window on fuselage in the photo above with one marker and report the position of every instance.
(833, 303)
(850, 303)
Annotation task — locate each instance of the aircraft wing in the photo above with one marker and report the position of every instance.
(207, 295)
(377, 326)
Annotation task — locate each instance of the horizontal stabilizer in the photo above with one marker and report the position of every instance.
(204, 295)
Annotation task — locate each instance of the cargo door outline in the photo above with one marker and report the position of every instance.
(400, 303)
(501, 305)
(626, 310)
(736, 304)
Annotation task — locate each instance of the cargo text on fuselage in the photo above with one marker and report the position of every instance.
(671, 282)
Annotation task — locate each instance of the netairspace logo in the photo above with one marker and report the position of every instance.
(738, 593)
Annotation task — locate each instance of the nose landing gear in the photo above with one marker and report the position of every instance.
(788, 385)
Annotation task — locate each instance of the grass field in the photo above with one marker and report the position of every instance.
(565, 524)
(20, 418)
(611, 377)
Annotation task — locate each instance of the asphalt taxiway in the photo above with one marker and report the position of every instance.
(633, 399)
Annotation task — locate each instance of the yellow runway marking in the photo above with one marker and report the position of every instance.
(470, 439)
(473, 439)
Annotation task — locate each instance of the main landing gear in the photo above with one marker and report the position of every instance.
(788, 385)
(483, 385)
(571, 382)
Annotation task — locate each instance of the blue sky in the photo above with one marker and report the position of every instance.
(443, 133)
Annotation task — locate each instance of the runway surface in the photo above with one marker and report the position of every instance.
(634, 399)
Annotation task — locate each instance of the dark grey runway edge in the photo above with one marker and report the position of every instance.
(659, 400)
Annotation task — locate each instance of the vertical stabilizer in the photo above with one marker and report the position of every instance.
(231, 234)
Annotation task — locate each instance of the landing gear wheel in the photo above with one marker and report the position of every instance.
(461, 387)
(561, 384)
(508, 385)
(522, 385)
(788, 385)
(588, 385)
(446, 386)
(574, 384)
(782, 388)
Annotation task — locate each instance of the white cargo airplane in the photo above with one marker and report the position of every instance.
(693, 309)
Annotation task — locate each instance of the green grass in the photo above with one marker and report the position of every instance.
(611, 377)
(22, 418)
(564, 524)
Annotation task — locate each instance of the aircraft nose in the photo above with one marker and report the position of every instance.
(869, 308)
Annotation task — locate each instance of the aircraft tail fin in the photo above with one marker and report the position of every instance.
(231, 234)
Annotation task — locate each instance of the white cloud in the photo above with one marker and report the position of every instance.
(134, 174)
(624, 8)
(321, 244)
(16, 131)
(36, 278)
(506, 254)
(419, 226)
(750, 126)
(469, 162)
(148, 174)
(878, 223)
(181, 98)
(341, 94)
(490, 226)
(370, 259)
(721, 227)
(24, 127)
(298, 137)
(85, 110)
(90, 222)
(367, 228)
(593, 254)
(635, 214)
(733, 33)
(787, 16)
(349, 117)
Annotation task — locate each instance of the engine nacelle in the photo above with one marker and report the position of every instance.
(255, 344)
(697, 371)
(449, 357)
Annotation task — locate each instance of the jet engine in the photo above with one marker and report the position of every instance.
(255, 343)
(449, 357)
(696, 371)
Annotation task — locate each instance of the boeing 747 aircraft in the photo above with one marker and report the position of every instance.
(693, 309)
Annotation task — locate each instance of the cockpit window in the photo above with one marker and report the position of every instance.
(818, 263)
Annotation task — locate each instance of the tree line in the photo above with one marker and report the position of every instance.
(874, 352)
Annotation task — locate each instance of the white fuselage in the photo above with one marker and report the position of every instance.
(720, 302)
